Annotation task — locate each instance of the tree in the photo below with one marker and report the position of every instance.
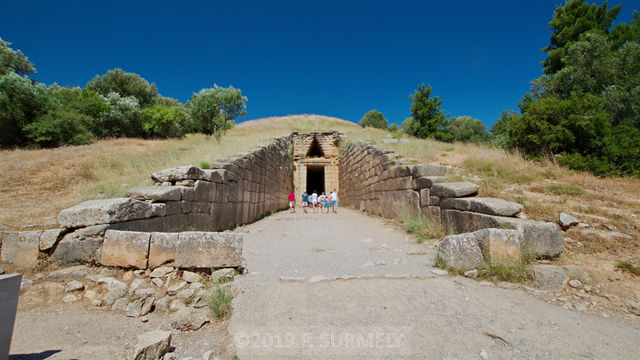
(214, 110)
(59, 126)
(428, 119)
(164, 121)
(14, 61)
(374, 118)
(466, 129)
(21, 102)
(126, 84)
(123, 117)
(569, 22)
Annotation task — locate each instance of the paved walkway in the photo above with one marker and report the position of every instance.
(350, 286)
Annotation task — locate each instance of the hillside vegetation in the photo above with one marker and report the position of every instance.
(37, 184)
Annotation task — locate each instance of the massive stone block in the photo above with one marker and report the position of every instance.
(499, 245)
(162, 249)
(207, 250)
(428, 181)
(159, 193)
(21, 248)
(49, 238)
(80, 246)
(125, 249)
(457, 189)
(461, 252)
(428, 170)
(179, 173)
(490, 206)
(94, 212)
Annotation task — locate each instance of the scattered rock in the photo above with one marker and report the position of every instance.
(508, 285)
(144, 319)
(196, 286)
(147, 305)
(185, 293)
(70, 273)
(472, 274)
(223, 274)
(144, 293)
(161, 272)
(117, 289)
(152, 345)
(633, 307)
(70, 298)
(35, 277)
(162, 304)
(549, 277)
(439, 272)
(567, 221)
(176, 305)
(173, 289)
(189, 319)
(120, 304)
(90, 294)
(96, 302)
(74, 285)
(137, 284)
(134, 309)
(580, 306)
(157, 282)
(576, 284)
(619, 235)
(191, 277)
(26, 283)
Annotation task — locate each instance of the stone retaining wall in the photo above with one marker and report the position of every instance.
(234, 191)
(378, 181)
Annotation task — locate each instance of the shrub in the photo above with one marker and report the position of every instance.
(628, 266)
(126, 84)
(219, 300)
(60, 127)
(164, 121)
(518, 271)
(421, 227)
(559, 189)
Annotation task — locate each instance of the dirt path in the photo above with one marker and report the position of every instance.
(350, 286)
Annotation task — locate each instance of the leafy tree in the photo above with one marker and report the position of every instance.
(164, 121)
(466, 129)
(570, 21)
(394, 128)
(123, 117)
(14, 61)
(374, 118)
(21, 101)
(126, 84)
(214, 110)
(59, 126)
(428, 119)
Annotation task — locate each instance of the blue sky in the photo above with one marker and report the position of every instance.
(335, 58)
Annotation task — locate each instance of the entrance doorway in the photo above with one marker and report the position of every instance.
(315, 179)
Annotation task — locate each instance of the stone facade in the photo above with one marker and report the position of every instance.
(316, 153)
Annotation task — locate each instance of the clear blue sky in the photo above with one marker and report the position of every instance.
(336, 58)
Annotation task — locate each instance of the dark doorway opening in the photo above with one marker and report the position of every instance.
(315, 179)
(315, 150)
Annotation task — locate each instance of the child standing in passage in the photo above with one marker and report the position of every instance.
(334, 201)
(305, 201)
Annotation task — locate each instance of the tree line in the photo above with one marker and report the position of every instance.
(115, 104)
(583, 112)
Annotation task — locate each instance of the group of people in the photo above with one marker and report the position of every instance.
(321, 203)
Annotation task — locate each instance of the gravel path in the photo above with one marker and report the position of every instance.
(351, 286)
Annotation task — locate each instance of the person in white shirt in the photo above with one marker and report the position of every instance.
(314, 201)
(333, 197)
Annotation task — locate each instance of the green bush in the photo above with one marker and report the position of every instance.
(219, 300)
(126, 84)
(164, 121)
(60, 127)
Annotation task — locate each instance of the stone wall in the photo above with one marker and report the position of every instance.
(378, 181)
(234, 191)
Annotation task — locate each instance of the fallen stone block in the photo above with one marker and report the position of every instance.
(484, 205)
(107, 211)
(208, 249)
(189, 319)
(499, 246)
(80, 246)
(125, 249)
(549, 277)
(152, 345)
(71, 273)
(159, 193)
(179, 173)
(21, 248)
(461, 252)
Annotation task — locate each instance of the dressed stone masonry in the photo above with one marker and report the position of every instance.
(378, 181)
(170, 222)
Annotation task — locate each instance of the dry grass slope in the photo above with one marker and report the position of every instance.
(37, 184)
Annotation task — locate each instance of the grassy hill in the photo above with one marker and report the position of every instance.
(37, 184)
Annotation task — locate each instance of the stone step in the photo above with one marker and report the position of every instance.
(454, 189)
